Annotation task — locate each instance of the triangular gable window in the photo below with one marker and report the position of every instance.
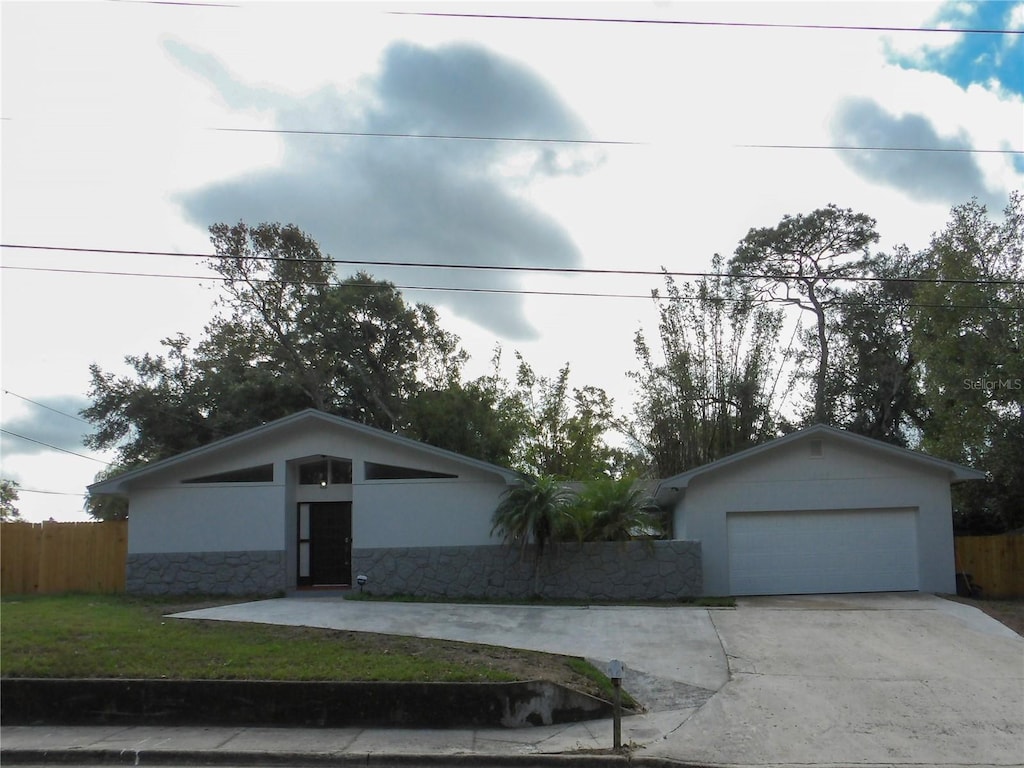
(376, 471)
(264, 473)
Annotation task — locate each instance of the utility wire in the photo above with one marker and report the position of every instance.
(50, 493)
(178, 2)
(54, 447)
(499, 291)
(676, 22)
(506, 268)
(450, 137)
(693, 23)
(41, 405)
(601, 142)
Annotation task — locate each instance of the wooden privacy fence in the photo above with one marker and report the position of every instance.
(995, 563)
(62, 557)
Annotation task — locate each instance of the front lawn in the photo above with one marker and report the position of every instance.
(93, 636)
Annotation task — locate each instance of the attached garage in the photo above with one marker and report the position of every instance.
(862, 550)
(820, 511)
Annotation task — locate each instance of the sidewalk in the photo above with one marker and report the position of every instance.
(574, 744)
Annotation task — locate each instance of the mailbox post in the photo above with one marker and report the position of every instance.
(615, 669)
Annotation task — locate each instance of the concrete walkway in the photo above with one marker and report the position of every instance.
(866, 680)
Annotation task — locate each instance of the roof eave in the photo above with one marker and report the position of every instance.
(118, 485)
(957, 472)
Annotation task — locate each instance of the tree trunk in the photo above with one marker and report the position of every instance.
(821, 415)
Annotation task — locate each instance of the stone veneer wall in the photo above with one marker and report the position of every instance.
(635, 570)
(208, 573)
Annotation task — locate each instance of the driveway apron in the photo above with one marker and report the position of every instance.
(860, 680)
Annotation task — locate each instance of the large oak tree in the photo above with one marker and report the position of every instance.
(968, 332)
(289, 335)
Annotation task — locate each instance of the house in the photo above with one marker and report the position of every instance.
(312, 500)
(284, 506)
(816, 511)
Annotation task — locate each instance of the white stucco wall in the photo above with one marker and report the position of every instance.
(426, 513)
(169, 516)
(847, 476)
(221, 518)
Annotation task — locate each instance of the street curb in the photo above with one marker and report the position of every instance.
(178, 757)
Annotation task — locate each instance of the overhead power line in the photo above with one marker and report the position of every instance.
(695, 23)
(441, 136)
(53, 447)
(497, 267)
(598, 142)
(41, 405)
(179, 2)
(22, 489)
(674, 22)
(498, 291)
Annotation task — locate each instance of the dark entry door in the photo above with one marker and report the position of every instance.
(327, 526)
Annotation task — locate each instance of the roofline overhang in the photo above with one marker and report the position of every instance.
(670, 490)
(119, 485)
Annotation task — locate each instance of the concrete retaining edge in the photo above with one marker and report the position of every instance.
(35, 701)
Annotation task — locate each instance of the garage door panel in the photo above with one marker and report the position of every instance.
(864, 550)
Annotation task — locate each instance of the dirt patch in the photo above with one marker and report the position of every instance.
(1009, 612)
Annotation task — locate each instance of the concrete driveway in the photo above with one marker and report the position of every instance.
(861, 680)
(901, 679)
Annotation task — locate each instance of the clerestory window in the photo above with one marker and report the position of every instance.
(326, 471)
(264, 473)
(375, 471)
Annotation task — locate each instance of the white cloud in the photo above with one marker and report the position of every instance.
(422, 201)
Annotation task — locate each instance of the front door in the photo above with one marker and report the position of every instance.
(325, 543)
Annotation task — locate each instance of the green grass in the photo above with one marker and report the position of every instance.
(604, 684)
(91, 636)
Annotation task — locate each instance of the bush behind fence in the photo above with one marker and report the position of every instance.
(62, 557)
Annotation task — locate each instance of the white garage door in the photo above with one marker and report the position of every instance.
(792, 553)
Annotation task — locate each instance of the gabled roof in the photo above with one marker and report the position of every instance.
(119, 484)
(670, 488)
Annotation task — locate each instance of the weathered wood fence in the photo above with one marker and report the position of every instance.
(62, 557)
(995, 563)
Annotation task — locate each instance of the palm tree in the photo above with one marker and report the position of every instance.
(615, 510)
(536, 513)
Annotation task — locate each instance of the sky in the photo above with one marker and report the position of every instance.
(619, 136)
